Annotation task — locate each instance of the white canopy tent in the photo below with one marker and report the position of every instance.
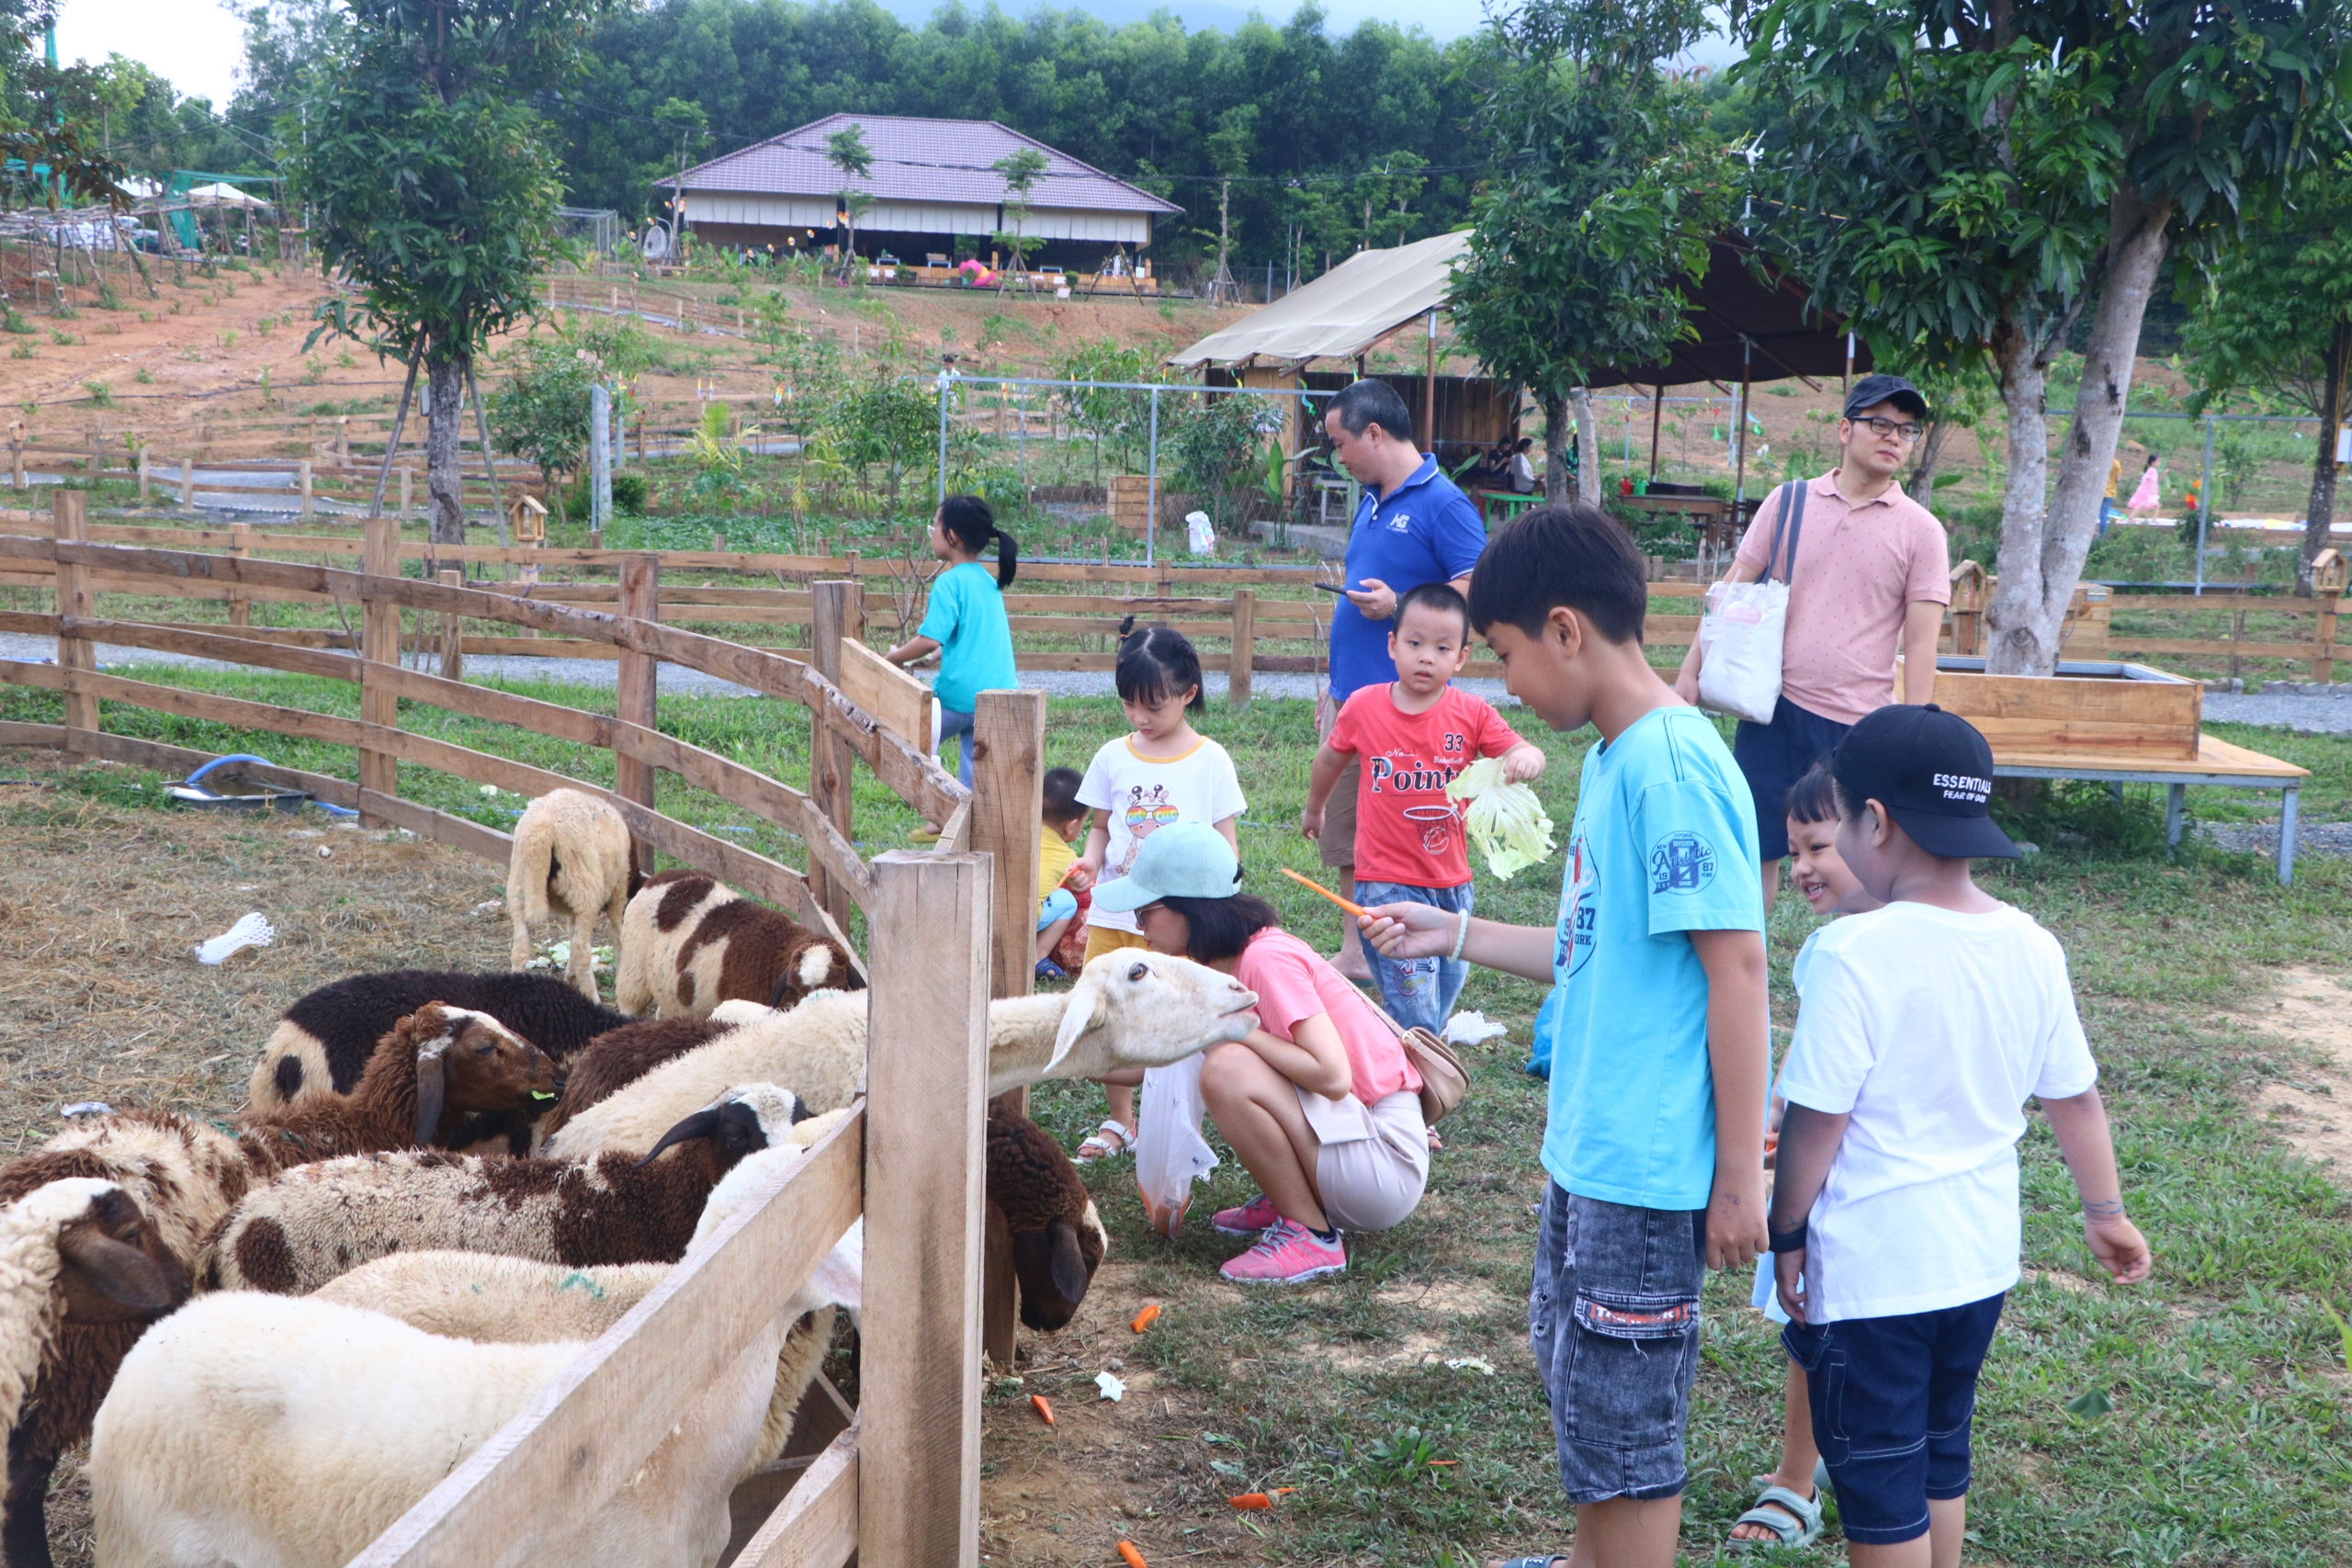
(1341, 313)
(221, 195)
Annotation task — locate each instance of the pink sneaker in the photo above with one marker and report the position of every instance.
(1288, 1253)
(1247, 1220)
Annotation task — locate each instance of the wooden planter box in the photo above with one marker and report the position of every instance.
(1131, 502)
(2110, 709)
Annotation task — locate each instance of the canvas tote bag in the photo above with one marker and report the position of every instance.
(1739, 640)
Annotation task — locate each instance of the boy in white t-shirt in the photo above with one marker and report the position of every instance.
(1894, 1223)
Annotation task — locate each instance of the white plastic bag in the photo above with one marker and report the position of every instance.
(1739, 649)
(1170, 1154)
(251, 931)
(1200, 532)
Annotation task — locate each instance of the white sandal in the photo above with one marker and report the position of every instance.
(1107, 1141)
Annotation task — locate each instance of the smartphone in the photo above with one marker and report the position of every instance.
(1329, 587)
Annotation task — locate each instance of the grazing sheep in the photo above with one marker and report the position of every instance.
(322, 1044)
(325, 1220)
(1057, 1238)
(256, 1429)
(689, 943)
(1129, 1008)
(619, 1058)
(571, 859)
(184, 1176)
(82, 1270)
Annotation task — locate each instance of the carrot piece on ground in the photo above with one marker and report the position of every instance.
(1251, 1500)
(1145, 1318)
(1280, 1490)
(1129, 1555)
(1444, 1461)
(1043, 1407)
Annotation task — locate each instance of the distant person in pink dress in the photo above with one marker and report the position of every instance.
(2146, 499)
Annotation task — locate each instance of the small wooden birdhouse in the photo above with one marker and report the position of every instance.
(2330, 571)
(528, 520)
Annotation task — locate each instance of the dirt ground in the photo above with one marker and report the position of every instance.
(2311, 1107)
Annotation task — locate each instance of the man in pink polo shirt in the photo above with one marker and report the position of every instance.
(1870, 571)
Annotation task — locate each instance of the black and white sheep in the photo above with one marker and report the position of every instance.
(689, 943)
(322, 1044)
(572, 860)
(325, 1220)
(1129, 1008)
(619, 1058)
(184, 1176)
(1058, 1238)
(260, 1428)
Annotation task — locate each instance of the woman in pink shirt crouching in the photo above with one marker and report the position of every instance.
(1318, 1101)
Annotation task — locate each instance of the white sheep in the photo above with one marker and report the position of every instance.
(1129, 1008)
(572, 858)
(260, 1430)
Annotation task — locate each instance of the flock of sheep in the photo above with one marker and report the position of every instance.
(448, 1185)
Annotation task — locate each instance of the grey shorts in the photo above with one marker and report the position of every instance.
(1614, 1320)
(1337, 843)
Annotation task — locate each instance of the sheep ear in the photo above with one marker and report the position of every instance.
(122, 1273)
(701, 1124)
(1090, 1007)
(1068, 1264)
(432, 1088)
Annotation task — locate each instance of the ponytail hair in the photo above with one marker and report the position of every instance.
(1156, 662)
(967, 520)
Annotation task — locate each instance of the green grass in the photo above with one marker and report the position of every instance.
(2225, 1438)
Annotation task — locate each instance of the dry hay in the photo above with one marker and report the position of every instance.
(2311, 1106)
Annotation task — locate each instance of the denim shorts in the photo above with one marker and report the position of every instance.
(1892, 1398)
(954, 722)
(1614, 1321)
(1771, 757)
(1418, 991)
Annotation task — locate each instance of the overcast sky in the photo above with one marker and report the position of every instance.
(197, 45)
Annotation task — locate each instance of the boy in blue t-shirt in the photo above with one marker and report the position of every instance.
(1655, 1140)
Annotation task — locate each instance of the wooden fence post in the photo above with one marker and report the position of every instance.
(74, 652)
(2323, 637)
(143, 476)
(188, 484)
(635, 687)
(836, 610)
(16, 456)
(1008, 772)
(306, 487)
(1245, 647)
(453, 639)
(406, 474)
(241, 603)
(919, 1405)
(379, 648)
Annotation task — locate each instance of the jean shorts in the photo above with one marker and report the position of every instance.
(1892, 1398)
(1418, 992)
(1614, 1321)
(1771, 757)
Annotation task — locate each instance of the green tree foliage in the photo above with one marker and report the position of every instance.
(540, 413)
(846, 150)
(1020, 170)
(1967, 177)
(434, 187)
(1214, 447)
(2277, 317)
(1607, 191)
(1118, 419)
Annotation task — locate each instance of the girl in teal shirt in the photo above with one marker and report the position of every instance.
(964, 623)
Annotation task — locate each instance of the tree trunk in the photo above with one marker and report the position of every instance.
(2038, 579)
(1555, 449)
(2321, 515)
(444, 489)
(1921, 486)
(1587, 447)
(2025, 397)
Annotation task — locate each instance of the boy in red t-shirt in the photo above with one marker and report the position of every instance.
(1413, 736)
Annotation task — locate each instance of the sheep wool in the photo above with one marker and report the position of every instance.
(1129, 1008)
(619, 1058)
(571, 860)
(689, 943)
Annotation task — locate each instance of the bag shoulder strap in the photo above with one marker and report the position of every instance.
(1790, 526)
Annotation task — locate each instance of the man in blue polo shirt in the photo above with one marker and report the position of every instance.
(1413, 526)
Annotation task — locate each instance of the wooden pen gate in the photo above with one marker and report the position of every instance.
(899, 1486)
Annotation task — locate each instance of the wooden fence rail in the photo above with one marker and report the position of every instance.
(899, 1487)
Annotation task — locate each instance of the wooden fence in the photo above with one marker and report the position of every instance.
(900, 1485)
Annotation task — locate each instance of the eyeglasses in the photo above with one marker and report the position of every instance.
(1878, 426)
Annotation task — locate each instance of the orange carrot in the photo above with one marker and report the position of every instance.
(1280, 1490)
(1039, 1403)
(1444, 1461)
(1316, 887)
(1129, 1555)
(1251, 1500)
(1145, 1318)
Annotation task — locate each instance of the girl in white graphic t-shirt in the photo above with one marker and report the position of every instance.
(1166, 771)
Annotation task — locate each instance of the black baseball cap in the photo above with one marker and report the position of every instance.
(1873, 390)
(1933, 771)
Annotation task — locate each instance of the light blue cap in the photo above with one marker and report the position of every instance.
(1182, 859)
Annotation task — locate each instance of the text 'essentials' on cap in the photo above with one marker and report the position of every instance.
(1873, 390)
(1933, 773)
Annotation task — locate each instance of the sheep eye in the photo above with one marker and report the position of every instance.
(1138, 972)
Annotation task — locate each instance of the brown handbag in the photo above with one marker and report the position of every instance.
(1444, 1081)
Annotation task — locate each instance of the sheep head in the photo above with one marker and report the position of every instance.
(112, 1264)
(739, 1123)
(813, 964)
(1055, 1266)
(471, 1063)
(1137, 1009)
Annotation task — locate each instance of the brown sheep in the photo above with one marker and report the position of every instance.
(571, 860)
(619, 1058)
(689, 943)
(1057, 1238)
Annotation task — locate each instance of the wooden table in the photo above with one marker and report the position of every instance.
(2217, 762)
